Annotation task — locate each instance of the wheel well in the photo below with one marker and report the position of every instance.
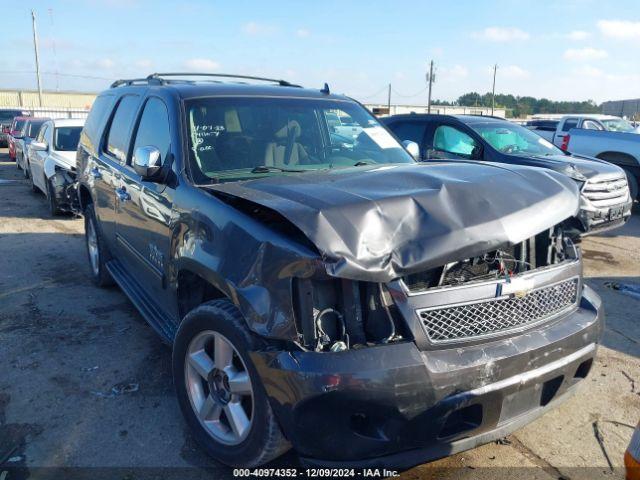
(618, 158)
(85, 197)
(193, 290)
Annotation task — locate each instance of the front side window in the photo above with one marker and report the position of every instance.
(118, 136)
(591, 125)
(513, 139)
(451, 140)
(153, 130)
(66, 139)
(239, 138)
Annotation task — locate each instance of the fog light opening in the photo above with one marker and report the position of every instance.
(584, 368)
(462, 420)
(549, 390)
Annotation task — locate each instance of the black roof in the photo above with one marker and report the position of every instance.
(466, 119)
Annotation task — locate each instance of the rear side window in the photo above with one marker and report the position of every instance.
(34, 129)
(153, 129)
(95, 120)
(18, 125)
(413, 131)
(569, 124)
(120, 129)
(43, 131)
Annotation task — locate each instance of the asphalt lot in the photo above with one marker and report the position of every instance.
(86, 383)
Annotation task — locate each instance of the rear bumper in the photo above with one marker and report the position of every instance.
(397, 406)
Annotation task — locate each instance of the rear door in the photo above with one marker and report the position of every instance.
(413, 131)
(144, 208)
(105, 168)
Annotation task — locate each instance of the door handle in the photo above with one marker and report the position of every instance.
(95, 173)
(122, 194)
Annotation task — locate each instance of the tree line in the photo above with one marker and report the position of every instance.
(520, 107)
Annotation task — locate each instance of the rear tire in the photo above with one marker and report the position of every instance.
(96, 249)
(205, 331)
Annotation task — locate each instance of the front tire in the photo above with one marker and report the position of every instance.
(54, 210)
(633, 184)
(96, 249)
(218, 388)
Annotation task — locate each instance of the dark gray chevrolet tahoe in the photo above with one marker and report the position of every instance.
(328, 293)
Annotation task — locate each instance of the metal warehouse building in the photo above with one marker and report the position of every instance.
(54, 104)
(383, 110)
(29, 99)
(623, 108)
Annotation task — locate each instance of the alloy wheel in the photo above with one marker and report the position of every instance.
(219, 387)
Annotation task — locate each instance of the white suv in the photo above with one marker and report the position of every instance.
(52, 162)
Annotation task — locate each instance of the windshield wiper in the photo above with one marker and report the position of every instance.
(268, 168)
(362, 163)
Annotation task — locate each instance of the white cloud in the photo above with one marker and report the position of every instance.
(105, 63)
(502, 34)
(144, 63)
(255, 28)
(201, 64)
(585, 54)
(303, 33)
(578, 35)
(457, 72)
(619, 28)
(588, 71)
(513, 71)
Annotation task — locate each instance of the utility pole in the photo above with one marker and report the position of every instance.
(35, 47)
(430, 78)
(389, 100)
(493, 95)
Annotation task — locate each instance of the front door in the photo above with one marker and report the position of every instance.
(144, 208)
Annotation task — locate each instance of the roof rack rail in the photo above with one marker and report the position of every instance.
(159, 76)
(134, 81)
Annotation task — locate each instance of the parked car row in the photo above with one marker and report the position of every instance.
(45, 150)
(605, 200)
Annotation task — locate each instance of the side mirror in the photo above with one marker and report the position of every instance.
(412, 148)
(147, 162)
(39, 146)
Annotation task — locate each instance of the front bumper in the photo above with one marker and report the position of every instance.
(64, 186)
(398, 406)
(598, 220)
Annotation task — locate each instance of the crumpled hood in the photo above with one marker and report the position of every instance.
(379, 223)
(587, 167)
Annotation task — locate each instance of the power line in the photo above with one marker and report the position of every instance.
(375, 94)
(409, 96)
(25, 72)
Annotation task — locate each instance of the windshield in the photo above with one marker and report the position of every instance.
(514, 139)
(238, 138)
(66, 139)
(618, 125)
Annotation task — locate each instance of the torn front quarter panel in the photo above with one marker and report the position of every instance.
(377, 223)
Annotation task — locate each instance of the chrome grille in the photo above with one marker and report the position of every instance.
(472, 320)
(606, 193)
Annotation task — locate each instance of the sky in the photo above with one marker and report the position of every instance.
(561, 50)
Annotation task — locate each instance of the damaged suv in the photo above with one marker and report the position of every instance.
(328, 293)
